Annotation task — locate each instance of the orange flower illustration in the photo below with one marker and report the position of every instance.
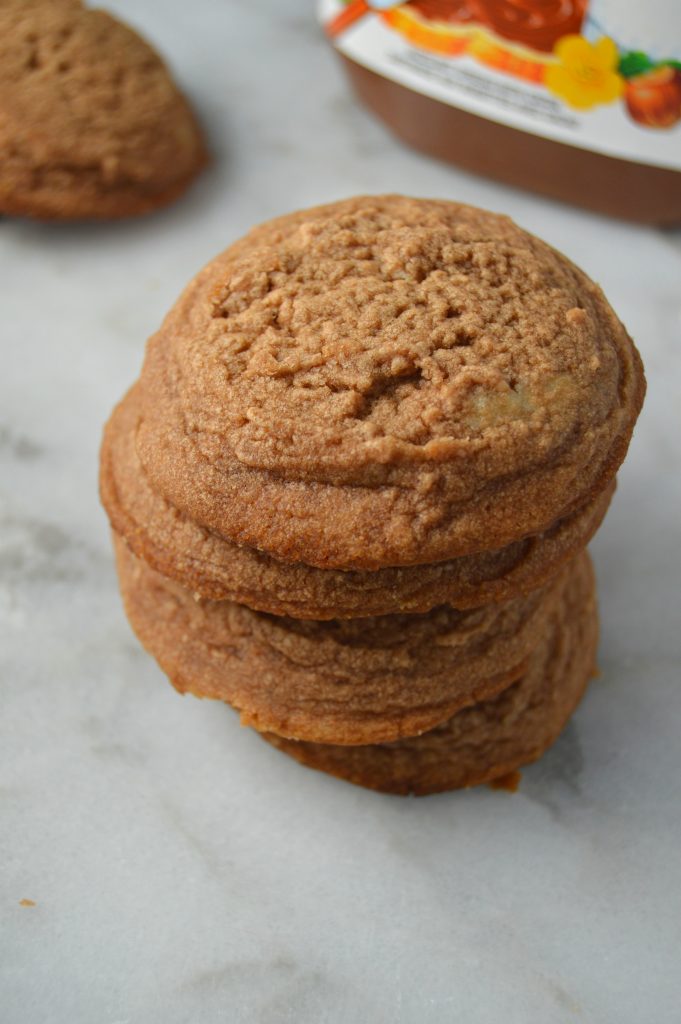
(586, 73)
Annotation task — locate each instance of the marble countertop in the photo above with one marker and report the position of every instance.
(182, 871)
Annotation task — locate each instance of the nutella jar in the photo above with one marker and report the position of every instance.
(578, 99)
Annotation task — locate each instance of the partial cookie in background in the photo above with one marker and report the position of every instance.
(488, 740)
(342, 681)
(91, 123)
(214, 567)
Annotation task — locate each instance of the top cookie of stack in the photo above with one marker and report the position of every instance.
(374, 406)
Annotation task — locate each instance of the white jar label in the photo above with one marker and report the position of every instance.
(603, 75)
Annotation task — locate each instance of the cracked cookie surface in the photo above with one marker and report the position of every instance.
(386, 381)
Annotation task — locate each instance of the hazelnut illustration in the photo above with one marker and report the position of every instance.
(654, 98)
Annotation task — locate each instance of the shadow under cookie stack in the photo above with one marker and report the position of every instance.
(351, 491)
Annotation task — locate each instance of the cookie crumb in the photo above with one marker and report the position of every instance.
(509, 782)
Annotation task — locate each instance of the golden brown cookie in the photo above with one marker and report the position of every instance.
(491, 739)
(213, 567)
(340, 681)
(385, 382)
(91, 123)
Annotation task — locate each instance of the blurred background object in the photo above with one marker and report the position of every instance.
(91, 123)
(556, 96)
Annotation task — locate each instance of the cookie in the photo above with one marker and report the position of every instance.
(211, 566)
(386, 382)
(488, 740)
(342, 681)
(91, 123)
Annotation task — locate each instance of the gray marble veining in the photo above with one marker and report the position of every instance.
(182, 871)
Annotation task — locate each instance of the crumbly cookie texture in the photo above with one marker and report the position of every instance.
(488, 740)
(387, 381)
(213, 567)
(91, 123)
(341, 681)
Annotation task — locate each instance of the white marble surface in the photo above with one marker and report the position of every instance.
(185, 873)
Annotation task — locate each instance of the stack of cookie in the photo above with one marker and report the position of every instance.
(351, 490)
